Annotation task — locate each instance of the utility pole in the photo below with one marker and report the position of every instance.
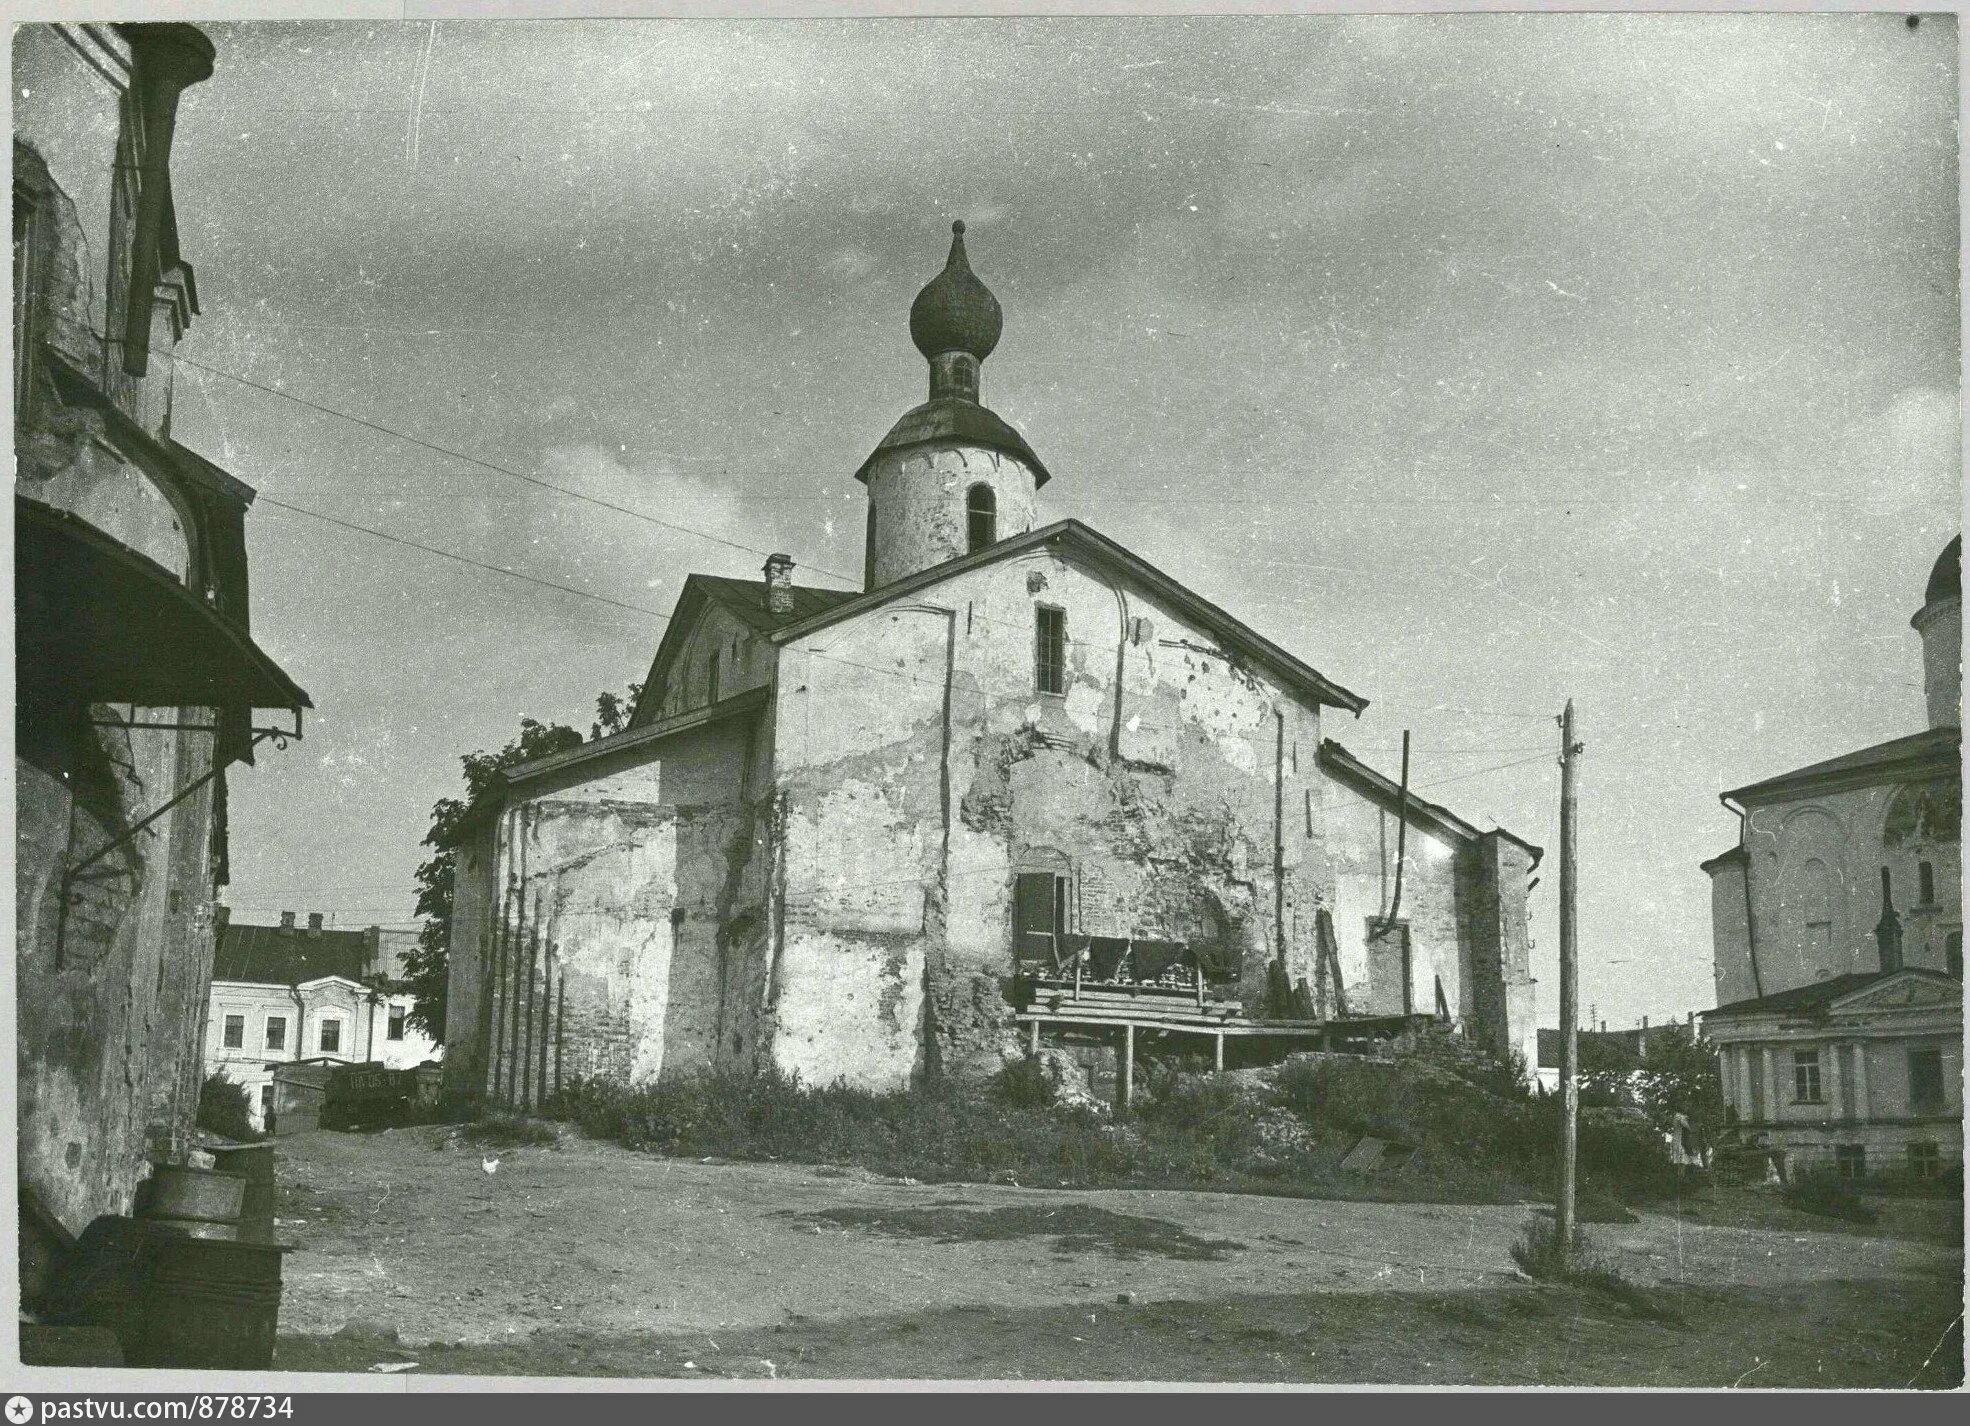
(1569, 991)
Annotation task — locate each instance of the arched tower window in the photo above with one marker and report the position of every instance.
(1925, 882)
(981, 509)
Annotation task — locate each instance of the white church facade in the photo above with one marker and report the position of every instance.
(1838, 939)
(842, 825)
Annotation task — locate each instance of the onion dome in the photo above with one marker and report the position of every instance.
(1946, 579)
(955, 312)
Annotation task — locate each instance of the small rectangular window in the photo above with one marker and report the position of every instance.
(1925, 1159)
(711, 678)
(396, 1029)
(331, 1037)
(1806, 1076)
(1925, 1081)
(276, 1032)
(1851, 1160)
(1050, 638)
(235, 1032)
(1925, 884)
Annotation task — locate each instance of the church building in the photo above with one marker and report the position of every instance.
(1838, 939)
(844, 826)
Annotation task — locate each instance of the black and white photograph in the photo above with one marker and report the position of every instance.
(752, 695)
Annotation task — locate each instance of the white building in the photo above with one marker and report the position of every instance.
(1838, 923)
(286, 993)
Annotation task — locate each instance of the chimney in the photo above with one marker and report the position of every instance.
(314, 923)
(1645, 1022)
(287, 920)
(779, 583)
(221, 917)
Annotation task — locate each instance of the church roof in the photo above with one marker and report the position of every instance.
(1917, 755)
(747, 599)
(1822, 995)
(956, 312)
(1099, 549)
(953, 418)
(743, 598)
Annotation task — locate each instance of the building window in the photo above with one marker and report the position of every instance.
(276, 1032)
(711, 678)
(1850, 1160)
(235, 1037)
(1925, 884)
(1050, 639)
(1925, 1159)
(1806, 1076)
(1040, 901)
(1953, 953)
(331, 1036)
(1925, 1081)
(981, 517)
(396, 1026)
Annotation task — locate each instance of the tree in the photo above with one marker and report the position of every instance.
(1680, 1075)
(427, 965)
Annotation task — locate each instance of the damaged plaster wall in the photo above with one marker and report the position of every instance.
(918, 499)
(1361, 838)
(112, 993)
(919, 770)
(721, 657)
(622, 906)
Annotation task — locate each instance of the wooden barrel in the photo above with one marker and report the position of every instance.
(207, 1303)
(194, 1195)
(254, 1163)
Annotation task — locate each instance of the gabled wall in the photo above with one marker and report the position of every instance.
(919, 770)
(609, 923)
(743, 662)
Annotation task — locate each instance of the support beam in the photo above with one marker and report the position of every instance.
(1218, 1051)
(1033, 1037)
(1126, 1090)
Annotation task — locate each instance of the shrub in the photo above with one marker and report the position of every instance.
(509, 1131)
(224, 1109)
(1830, 1196)
(1024, 1084)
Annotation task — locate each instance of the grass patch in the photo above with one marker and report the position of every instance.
(509, 1131)
(1466, 1136)
(1537, 1252)
(1829, 1196)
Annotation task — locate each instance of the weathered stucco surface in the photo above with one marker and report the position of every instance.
(1814, 866)
(920, 770)
(721, 657)
(919, 497)
(621, 936)
(832, 894)
(113, 995)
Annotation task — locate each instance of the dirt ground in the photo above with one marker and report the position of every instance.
(586, 1259)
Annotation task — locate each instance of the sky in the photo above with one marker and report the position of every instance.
(1483, 361)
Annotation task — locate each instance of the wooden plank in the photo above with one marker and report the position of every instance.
(1128, 1065)
(1115, 1015)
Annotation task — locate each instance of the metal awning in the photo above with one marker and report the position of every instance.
(96, 619)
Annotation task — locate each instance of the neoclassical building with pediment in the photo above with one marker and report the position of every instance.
(1838, 939)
